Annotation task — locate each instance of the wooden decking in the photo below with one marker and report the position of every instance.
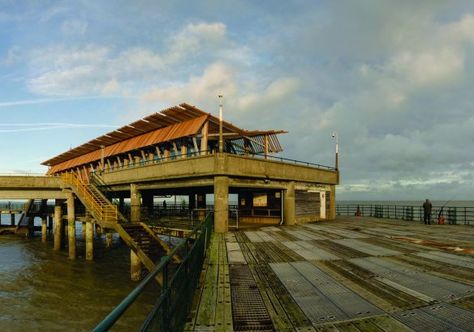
(352, 274)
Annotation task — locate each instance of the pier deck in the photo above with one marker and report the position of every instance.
(352, 274)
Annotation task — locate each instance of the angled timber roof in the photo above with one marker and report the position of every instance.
(170, 124)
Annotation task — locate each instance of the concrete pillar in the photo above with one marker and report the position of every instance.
(135, 203)
(71, 232)
(89, 241)
(50, 224)
(98, 230)
(289, 204)
(192, 202)
(322, 209)
(332, 203)
(221, 204)
(135, 267)
(121, 203)
(12, 219)
(89, 237)
(44, 229)
(58, 223)
(148, 202)
(108, 239)
(83, 230)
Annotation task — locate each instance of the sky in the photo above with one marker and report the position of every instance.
(394, 79)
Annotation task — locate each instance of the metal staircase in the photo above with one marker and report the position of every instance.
(138, 236)
(32, 208)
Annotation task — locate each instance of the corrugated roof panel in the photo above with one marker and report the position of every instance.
(179, 130)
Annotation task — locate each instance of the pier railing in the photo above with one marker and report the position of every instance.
(179, 282)
(452, 214)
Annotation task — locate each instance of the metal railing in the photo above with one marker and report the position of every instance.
(182, 156)
(452, 214)
(173, 304)
(292, 161)
(101, 209)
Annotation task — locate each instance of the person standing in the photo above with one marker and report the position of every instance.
(427, 206)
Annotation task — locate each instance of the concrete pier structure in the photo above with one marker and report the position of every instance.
(179, 152)
(71, 233)
(58, 225)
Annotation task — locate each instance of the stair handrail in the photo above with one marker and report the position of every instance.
(105, 211)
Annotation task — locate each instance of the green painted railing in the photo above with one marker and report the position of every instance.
(179, 282)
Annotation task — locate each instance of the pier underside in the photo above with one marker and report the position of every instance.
(351, 274)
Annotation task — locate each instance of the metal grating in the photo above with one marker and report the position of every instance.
(315, 305)
(309, 251)
(349, 302)
(368, 248)
(443, 257)
(248, 309)
(433, 286)
(437, 317)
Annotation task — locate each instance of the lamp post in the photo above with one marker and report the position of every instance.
(336, 138)
(221, 139)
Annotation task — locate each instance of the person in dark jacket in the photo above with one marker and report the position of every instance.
(427, 206)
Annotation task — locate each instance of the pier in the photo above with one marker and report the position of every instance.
(351, 274)
(111, 184)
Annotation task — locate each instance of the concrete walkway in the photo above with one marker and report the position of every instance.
(352, 274)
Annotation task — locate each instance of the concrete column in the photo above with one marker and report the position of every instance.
(135, 203)
(58, 223)
(12, 219)
(289, 204)
(44, 229)
(148, 202)
(108, 239)
(89, 237)
(221, 204)
(50, 224)
(121, 203)
(332, 203)
(83, 230)
(135, 267)
(192, 201)
(71, 232)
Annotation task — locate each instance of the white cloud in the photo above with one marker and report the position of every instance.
(196, 38)
(429, 67)
(216, 79)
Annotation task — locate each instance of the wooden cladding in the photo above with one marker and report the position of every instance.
(307, 203)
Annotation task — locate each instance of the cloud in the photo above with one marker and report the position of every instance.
(62, 70)
(196, 38)
(74, 27)
(202, 90)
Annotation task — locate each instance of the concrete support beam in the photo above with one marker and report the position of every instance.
(58, 223)
(147, 200)
(135, 267)
(89, 237)
(83, 230)
(89, 241)
(331, 214)
(221, 204)
(135, 203)
(108, 239)
(192, 201)
(44, 229)
(71, 232)
(12, 219)
(289, 204)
